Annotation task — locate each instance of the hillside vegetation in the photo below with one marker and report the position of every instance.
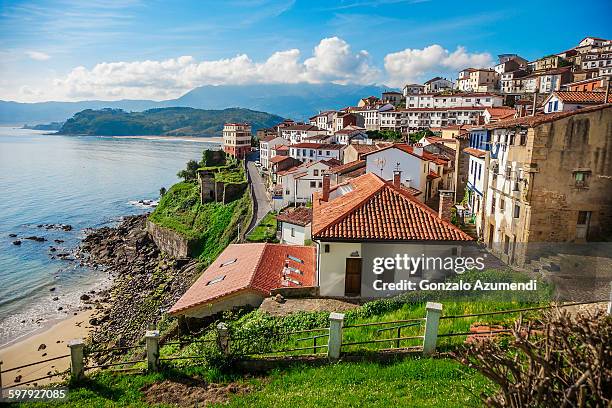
(163, 121)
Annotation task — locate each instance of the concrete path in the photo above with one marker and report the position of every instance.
(262, 204)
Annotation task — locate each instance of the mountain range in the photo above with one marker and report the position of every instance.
(296, 101)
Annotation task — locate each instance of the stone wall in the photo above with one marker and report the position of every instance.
(169, 241)
(297, 292)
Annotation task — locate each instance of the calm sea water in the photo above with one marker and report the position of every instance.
(87, 182)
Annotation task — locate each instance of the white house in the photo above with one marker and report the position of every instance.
(480, 152)
(411, 89)
(366, 219)
(299, 183)
(437, 84)
(267, 149)
(324, 121)
(295, 225)
(352, 134)
(296, 133)
(565, 101)
(419, 169)
(309, 152)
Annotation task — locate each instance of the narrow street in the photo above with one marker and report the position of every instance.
(262, 204)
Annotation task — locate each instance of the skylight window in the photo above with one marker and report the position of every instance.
(229, 262)
(293, 258)
(215, 280)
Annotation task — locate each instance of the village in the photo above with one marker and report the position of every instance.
(509, 162)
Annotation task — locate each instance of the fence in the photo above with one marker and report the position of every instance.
(244, 347)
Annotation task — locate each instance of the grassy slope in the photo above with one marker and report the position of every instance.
(409, 382)
(265, 231)
(214, 225)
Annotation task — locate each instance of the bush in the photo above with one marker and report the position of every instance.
(561, 360)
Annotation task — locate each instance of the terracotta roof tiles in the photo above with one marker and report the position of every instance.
(373, 209)
(298, 216)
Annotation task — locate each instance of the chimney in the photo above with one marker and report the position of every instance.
(397, 178)
(446, 203)
(326, 182)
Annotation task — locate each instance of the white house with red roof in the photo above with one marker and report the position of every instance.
(566, 101)
(300, 182)
(297, 132)
(244, 274)
(295, 225)
(367, 218)
(308, 152)
(420, 170)
(267, 149)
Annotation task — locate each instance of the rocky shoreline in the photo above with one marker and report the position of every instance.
(145, 282)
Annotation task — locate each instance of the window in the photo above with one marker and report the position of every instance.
(583, 217)
(327, 153)
(580, 178)
(493, 204)
(215, 280)
(229, 262)
(508, 172)
(326, 248)
(313, 184)
(320, 184)
(502, 204)
(479, 170)
(315, 172)
(517, 211)
(523, 139)
(293, 232)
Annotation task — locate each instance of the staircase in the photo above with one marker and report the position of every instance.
(470, 229)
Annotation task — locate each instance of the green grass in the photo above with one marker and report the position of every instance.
(212, 226)
(265, 231)
(413, 381)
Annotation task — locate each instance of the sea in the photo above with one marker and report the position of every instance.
(82, 181)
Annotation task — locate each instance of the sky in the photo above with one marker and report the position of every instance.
(136, 49)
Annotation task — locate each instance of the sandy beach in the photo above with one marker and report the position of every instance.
(214, 139)
(55, 339)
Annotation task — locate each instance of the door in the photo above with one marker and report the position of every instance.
(582, 226)
(352, 278)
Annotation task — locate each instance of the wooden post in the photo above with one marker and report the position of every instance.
(0, 378)
(432, 320)
(152, 344)
(223, 338)
(77, 366)
(334, 344)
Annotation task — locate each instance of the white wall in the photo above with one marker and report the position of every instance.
(243, 298)
(410, 166)
(300, 234)
(332, 266)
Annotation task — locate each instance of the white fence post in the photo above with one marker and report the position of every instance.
(77, 366)
(223, 338)
(334, 344)
(432, 320)
(152, 344)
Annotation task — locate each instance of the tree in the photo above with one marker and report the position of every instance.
(190, 172)
(162, 191)
(416, 136)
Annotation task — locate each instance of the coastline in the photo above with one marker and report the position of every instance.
(212, 139)
(55, 337)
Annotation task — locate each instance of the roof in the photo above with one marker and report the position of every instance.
(373, 209)
(474, 152)
(503, 112)
(256, 267)
(298, 216)
(582, 97)
(435, 79)
(281, 148)
(410, 150)
(533, 121)
(322, 146)
(347, 167)
(302, 127)
(278, 159)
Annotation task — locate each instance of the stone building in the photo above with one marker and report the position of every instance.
(549, 182)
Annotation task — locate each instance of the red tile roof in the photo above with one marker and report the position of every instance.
(533, 121)
(255, 267)
(373, 209)
(278, 159)
(298, 216)
(582, 97)
(502, 112)
(347, 167)
(474, 152)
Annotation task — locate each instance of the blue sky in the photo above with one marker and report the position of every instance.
(113, 49)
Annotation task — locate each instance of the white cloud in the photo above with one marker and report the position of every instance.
(332, 61)
(411, 65)
(38, 56)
